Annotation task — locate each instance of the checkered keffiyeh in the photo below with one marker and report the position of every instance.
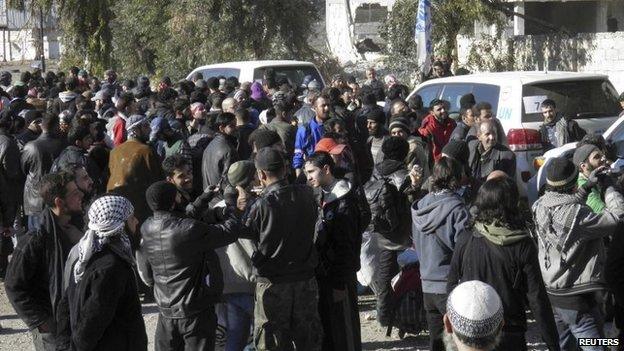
(107, 219)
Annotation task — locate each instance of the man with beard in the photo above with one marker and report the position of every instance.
(377, 134)
(179, 173)
(588, 158)
(34, 276)
(557, 130)
(170, 142)
(487, 154)
(134, 166)
(437, 127)
(221, 152)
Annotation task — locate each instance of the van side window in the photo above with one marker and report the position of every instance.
(429, 93)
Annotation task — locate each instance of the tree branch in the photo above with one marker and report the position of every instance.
(497, 5)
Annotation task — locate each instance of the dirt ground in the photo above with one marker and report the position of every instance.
(14, 336)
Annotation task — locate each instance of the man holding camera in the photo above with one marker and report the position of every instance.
(571, 247)
(589, 158)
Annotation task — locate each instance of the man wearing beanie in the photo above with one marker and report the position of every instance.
(587, 158)
(437, 127)
(182, 266)
(377, 134)
(283, 221)
(474, 317)
(387, 193)
(418, 153)
(567, 230)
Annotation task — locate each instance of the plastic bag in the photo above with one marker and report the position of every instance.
(369, 260)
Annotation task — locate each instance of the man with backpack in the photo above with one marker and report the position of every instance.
(439, 219)
(387, 194)
(339, 237)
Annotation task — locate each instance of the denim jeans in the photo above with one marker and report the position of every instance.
(573, 325)
(239, 318)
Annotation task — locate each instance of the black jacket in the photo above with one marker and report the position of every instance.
(10, 179)
(217, 158)
(498, 158)
(36, 160)
(339, 235)
(187, 278)
(461, 132)
(379, 199)
(104, 307)
(513, 271)
(35, 273)
(282, 221)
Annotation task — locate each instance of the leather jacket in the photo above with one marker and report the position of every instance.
(187, 277)
(218, 156)
(10, 179)
(37, 158)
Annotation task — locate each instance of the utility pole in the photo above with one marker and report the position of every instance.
(43, 67)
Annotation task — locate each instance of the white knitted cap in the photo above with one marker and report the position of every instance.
(474, 309)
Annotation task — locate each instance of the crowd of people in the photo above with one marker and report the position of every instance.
(254, 213)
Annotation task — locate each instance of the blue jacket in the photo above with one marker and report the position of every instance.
(438, 220)
(308, 135)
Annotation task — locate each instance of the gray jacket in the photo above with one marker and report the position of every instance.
(570, 237)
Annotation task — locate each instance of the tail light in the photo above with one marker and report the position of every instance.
(524, 139)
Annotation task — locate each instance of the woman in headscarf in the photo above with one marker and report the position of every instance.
(105, 312)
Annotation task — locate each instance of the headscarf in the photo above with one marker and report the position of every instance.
(257, 93)
(107, 219)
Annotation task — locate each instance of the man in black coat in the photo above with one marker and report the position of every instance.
(487, 154)
(10, 185)
(339, 238)
(221, 152)
(34, 276)
(282, 221)
(36, 161)
(184, 270)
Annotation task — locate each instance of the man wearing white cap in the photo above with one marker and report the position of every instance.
(474, 317)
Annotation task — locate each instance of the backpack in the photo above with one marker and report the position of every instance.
(408, 312)
(391, 214)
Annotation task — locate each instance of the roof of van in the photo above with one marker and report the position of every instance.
(525, 77)
(253, 64)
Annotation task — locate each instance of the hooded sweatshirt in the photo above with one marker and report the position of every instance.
(439, 219)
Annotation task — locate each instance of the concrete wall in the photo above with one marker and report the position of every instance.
(587, 52)
(20, 45)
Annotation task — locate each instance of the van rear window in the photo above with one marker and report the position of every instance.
(576, 99)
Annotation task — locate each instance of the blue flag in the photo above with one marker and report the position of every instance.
(422, 35)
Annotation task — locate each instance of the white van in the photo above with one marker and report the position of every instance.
(588, 98)
(251, 71)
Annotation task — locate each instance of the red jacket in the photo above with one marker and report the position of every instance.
(437, 133)
(119, 131)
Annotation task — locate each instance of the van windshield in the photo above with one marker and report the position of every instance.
(293, 74)
(575, 99)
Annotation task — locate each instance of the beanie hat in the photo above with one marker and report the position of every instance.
(269, 159)
(475, 310)
(561, 172)
(161, 196)
(241, 173)
(376, 115)
(330, 145)
(467, 101)
(400, 122)
(582, 153)
(457, 149)
(395, 148)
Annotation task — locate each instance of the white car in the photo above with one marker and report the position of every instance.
(614, 134)
(251, 71)
(516, 97)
